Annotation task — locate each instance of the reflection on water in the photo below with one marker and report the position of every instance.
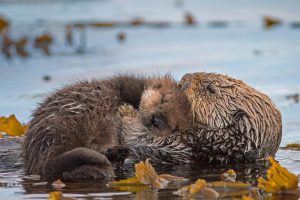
(13, 186)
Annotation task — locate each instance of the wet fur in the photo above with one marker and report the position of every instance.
(246, 121)
(72, 129)
(232, 122)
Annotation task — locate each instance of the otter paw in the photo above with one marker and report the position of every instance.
(89, 172)
(117, 154)
(127, 110)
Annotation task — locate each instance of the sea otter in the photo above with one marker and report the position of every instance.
(247, 121)
(72, 129)
(164, 109)
(232, 122)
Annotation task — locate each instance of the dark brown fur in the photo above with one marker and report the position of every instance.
(71, 130)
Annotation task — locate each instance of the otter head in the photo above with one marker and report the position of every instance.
(164, 107)
(219, 101)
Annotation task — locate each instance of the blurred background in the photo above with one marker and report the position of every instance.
(46, 44)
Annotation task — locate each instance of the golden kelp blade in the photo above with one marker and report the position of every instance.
(224, 184)
(148, 176)
(12, 126)
(247, 198)
(58, 196)
(145, 176)
(292, 146)
(55, 196)
(3, 23)
(132, 188)
(131, 184)
(145, 172)
(198, 188)
(278, 179)
(125, 182)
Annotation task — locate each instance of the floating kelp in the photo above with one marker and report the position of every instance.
(278, 179)
(7, 43)
(270, 22)
(12, 126)
(198, 189)
(189, 19)
(3, 23)
(20, 46)
(58, 196)
(43, 42)
(246, 198)
(137, 21)
(145, 177)
(292, 146)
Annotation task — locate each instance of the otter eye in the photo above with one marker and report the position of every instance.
(158, 122)
(210, 89)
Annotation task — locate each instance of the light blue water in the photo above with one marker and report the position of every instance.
(178, 49)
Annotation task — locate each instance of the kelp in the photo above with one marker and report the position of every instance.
(278, 179)
(58, 196)
(292, 146)
(199, 188)
(12, 126)
(145, 177)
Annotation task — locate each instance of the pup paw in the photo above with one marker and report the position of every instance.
(117, 154)
(127, 110)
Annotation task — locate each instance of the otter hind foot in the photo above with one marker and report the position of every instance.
(89, 172)
(79, 163)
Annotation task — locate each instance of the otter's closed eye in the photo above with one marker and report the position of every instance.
(210, 88)
(158, 122)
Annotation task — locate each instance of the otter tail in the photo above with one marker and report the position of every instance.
(79, 163)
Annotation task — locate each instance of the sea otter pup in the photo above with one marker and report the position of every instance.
(71, 130)
(164, 110)
(232, 122)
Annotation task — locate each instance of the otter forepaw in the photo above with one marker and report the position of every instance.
(117, 154)
(127, 110)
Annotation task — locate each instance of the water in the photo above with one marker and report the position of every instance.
(266, 59)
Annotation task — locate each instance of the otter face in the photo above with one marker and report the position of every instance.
(164, 108)
(218, 101)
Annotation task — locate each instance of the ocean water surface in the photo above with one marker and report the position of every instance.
(267, 59)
